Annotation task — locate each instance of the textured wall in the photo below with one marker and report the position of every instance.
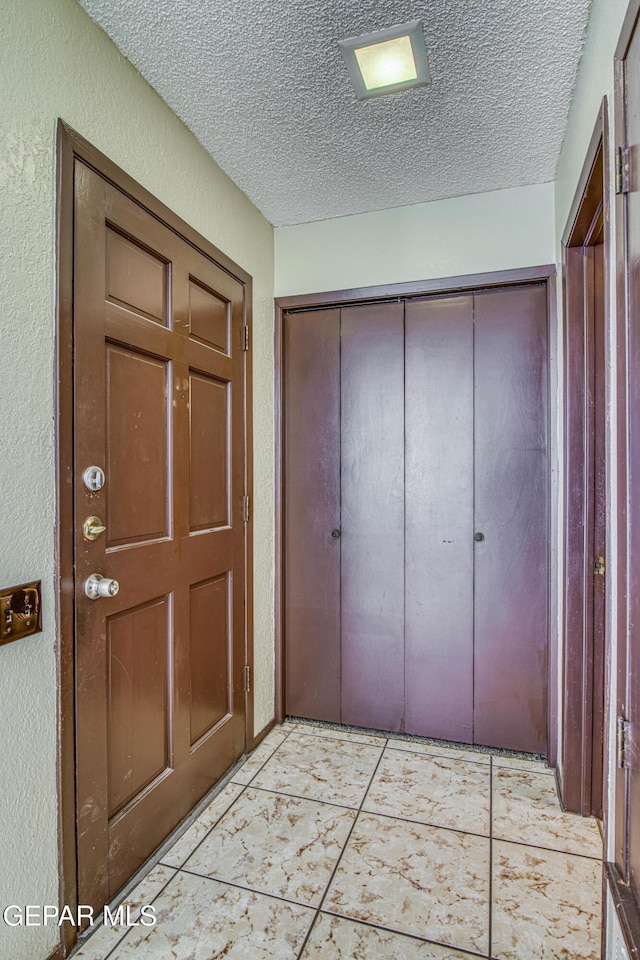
(445, 238)
(56, 62)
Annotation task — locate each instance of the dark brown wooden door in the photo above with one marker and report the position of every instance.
(510, 513)
(159, 395)
(422, 426)
(476, 518)
(312, 515)
(439, 517)
(372, 495)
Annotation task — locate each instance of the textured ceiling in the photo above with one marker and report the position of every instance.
(263, 86)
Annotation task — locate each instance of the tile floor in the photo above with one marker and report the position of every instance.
(329, 845)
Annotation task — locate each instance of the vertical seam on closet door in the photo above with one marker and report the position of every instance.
(473, 495)
(404, 516)
(340, 495)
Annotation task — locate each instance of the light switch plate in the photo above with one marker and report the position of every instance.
(20, 611)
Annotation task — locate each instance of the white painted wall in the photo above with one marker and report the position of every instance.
(482, 232)
(56, 62)
(593, 82)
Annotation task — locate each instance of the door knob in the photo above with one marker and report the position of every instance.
(335, 534)
(98, 586)
(478, 537)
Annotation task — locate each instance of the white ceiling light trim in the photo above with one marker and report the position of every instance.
(388, 60)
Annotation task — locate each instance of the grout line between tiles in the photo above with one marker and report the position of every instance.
(128, 930)
(490, 941)
(539, 846)
(299, 796)
(247, 889)
(340, 855)
(401, 933)
(212, 827)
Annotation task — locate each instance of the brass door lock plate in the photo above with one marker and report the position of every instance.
(92, 528)
(20, 611)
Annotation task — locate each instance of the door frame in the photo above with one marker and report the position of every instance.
(617, 869)
(546, 274)
(584, 655)
(72, 146)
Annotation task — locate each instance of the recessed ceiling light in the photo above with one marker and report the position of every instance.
(387, 60)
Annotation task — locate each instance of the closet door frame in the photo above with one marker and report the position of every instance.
(361, 295)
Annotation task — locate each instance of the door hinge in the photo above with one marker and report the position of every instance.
(623, 173)
(247, 679)
(622, 742)
(245, 509)
(245, 337)
(599, 566)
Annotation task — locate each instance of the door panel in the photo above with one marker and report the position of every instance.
(160, 699)
(137, 450)
(209, 654)
(439, 518)
(136, 278)
(312, 512)
(511, 632)
(139, 651)
(372, 542)
(208, 452)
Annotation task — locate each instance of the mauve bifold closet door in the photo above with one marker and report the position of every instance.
(372, 542)
(312, 513)
(439, 517)
(511, 477)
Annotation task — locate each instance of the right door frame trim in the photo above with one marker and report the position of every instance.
(419, 288)
(583, 658)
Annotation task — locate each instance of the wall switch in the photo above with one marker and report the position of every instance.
(20, 611)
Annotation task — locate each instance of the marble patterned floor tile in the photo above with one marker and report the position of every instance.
(435, 790)
(275, 844)
(333, 771)
(416, 879)
(105, 938)
(433, 750)
(260, 755)
(546, 905)
(334, 938)
(517, 763)
(526, 808)
(199, 919)
(340, 734)
(186, 844)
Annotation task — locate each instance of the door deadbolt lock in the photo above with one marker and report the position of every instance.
(92, 528)
(335, 534)
(478, 537)
(93, 478)
(600, 566)
(97, 586)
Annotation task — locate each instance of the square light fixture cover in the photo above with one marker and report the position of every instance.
(387, 60)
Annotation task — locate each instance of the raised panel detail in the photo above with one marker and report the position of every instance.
(208, 435)
(138, 650)
(208, 317)
(136, 278)
(137, 444)
(209, 654)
